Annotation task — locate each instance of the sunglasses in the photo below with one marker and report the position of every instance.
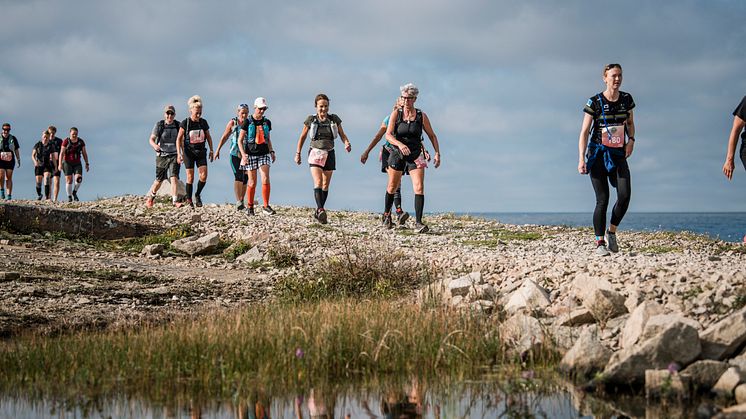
(262, 109)
(170, 113)
(409, 97)
(6, 129)
(610, 66)
(243, 105)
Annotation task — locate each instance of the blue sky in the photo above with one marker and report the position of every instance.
(503, 82)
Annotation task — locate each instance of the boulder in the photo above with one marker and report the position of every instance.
(605, 304)
(165, 189)
(636, 323)
(522, 332)
(705, 373)
(194, 245)
(678, 343)
(483, 292)
(583, 286)
(462, 286)
(658, 323)
(734, 412)
(587, 356)
(251, 256)
(530, 296)
(667, 384)
(576, 317)
(726, 385)
(724, 338)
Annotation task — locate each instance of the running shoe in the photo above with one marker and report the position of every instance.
(250, 211)
(38, 198)
(149, 202)
(421, 228)
(190, 202)
(69, 198)
(240, 206)
(178, 204)
(9, 197)
(268, 210)
(601, 250)
(197, 201)
(611, 239)
(387, 220)
(402, 217)
(321, 215)
(2, 194)
(75, 196)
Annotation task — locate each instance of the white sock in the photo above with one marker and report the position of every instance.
(77, 185)
(69, 189)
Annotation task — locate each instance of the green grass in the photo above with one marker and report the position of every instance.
(277, 347)
(236, 249)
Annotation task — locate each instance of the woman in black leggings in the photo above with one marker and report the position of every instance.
(610, 123)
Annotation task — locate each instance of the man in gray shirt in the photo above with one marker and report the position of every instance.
(163, 141)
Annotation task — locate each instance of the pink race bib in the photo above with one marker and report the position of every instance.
(612, 136)
(6, 155)
(420, 161)
(196, 136)
(317, 157)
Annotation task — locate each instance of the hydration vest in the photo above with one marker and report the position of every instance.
(314, 129)
(251, 135)
(166, 147)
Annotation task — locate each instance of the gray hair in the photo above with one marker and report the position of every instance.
(194, 101)
(410, 89)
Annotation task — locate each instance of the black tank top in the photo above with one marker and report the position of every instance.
(410, 133)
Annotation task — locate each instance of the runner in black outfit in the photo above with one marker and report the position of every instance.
(609, 121)
(44, 157)
(739, 122)
(190, 146)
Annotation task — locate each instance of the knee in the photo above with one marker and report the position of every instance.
(79, 179)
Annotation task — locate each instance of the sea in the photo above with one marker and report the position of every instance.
(726, 226)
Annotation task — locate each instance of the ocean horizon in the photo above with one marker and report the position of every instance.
(726, 226)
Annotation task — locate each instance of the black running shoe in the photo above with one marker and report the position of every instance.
(250, 211)
(38, 198)
(387, 223)
(321, 215)
(268, 210)
(240, 206)
(197, 201)
(69, 198)
(190, 202)
(402, 217)
(75, 196)
(421, 228)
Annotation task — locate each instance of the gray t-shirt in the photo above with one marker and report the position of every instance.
(324, 138)
(167, 139)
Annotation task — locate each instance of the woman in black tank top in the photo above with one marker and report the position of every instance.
(404, 133)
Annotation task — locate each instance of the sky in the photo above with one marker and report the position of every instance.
(503, 83)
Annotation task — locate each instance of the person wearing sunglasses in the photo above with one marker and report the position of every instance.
(232, 131)
(71, 151)
(322, 128)
(255, 146)
(194, 131)
(163, 141)
(609, 121)
(404, 134)
(739, 122)
(9, 154)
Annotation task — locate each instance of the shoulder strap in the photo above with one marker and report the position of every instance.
(161, 128)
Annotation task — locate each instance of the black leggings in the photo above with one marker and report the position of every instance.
(600, 179)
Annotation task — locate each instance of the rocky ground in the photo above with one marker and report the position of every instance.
(538, 278)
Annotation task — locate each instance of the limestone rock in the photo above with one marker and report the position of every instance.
(705, 373)
(165, 189)
(636, 323)
(530, 296)
(583, 286)
(587, 356)
(658, 323)
(741, 394)
(678, 343)
(462, 286)
(728, 382)
(605, 304)
(724, 338)
(576, 318)
(194, 245)
(522, 332)
(483, 292)
(251, 256)
(667, 384)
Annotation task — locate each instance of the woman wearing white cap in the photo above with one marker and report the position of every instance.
(323, 128)
(256, 153)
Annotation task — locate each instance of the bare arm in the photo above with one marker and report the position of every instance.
(180, 145)
(738, 125)
(301, 140)
(376, 139)
(61, 158)
(209, 143)
(583, 142)
(631, 133)
(433, 138)
(390, 134)
(33, 158)
(241, 149)
(344, 138)
(85, 158)
(153, 144)
(224, 137)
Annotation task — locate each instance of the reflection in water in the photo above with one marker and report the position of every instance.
(514, 399)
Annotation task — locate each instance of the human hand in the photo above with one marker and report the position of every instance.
(179, 158)
(427, 155)
(157, 148)
(364, 157)
(217, 155)
(348, 146)
(297, 158)
(437, 159)
(628, 148)
(272, 153)
(728, 168)
(581, 167)
(211, 156)
(404, 150)
(87, 167)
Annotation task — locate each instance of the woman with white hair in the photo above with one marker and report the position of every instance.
(404, 134)
(232, 131)
(190, 146)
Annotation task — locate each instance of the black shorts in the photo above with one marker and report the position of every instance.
(166, 167)
(385, 160)
(194, 156)
(8, 165)
(402, 163)
(238, 174)
(331, 161)
(46, 168)
(72, 168)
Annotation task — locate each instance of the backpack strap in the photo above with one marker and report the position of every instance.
(159, 131)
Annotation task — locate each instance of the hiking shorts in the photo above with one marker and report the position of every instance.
(72, 168)
(194, 157)
(238, 174)
(166, 167)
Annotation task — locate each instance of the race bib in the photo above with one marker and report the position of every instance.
(420, 161)
(318, 157)
(612, 136)
(197, 136)
(6, 155)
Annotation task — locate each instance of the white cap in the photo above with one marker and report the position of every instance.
(260, 102)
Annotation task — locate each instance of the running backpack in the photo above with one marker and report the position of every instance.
(314, 129)
(159, 135)
(252, 132)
